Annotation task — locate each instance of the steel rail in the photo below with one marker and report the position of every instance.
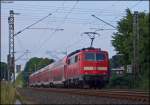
(114, 93)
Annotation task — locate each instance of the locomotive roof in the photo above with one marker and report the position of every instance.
(89, 48)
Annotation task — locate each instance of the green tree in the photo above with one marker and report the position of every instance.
(116, 61)
(20, 81)
(4, 72)
(35, 64)
(123, 41)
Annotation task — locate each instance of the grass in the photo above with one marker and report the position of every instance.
(8, 93)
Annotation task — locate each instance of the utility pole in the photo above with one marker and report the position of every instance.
(27, 54)
(24, 54)
(34, 67)
(91, 36)
(135, 62)
(11, 57)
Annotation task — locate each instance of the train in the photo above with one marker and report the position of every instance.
(83, 68)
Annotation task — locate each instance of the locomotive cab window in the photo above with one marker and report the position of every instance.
(76, 58)
(100, 56)
(90, 56)
(72, 60)
(94, 56)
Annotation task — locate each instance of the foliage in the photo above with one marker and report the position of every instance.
(8, 93)
(123, 43)
(20, 82)
(123, 81)
(116, 61)
(4, 73)
(35, 64)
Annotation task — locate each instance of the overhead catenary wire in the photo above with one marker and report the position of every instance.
(26, 52)
(40, 46)
(38, 10)
(32, 24)
(67, 11)
(131, 7)
(58, 19)
(71, 22)
(20, 43)
(67, 20)
(47, 7)
(71, 45)
(136, 4)
(40, 40)
(104, 21)
(57, 26)
(50, 35)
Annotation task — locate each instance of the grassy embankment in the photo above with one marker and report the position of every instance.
(8, 90)
(8, 93)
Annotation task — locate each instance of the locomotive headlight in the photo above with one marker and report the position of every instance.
(89, 68)
(101, 68)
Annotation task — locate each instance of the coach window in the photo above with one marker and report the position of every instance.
(68, 61)
(76, 58)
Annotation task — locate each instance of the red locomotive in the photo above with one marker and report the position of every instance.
(81, 68)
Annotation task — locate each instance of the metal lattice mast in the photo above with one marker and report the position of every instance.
(11, 57)
(135, 61)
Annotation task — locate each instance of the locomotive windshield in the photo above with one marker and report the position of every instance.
(94, 56)
(100, 56)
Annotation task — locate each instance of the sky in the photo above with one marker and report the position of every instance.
(72, 16)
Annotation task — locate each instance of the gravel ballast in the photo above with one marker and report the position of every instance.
(41, 97)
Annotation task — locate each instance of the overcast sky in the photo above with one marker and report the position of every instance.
(72, 16)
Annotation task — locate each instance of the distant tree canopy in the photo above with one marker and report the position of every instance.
(20, 81)
(116, 61)
(3, 69)
(35, 64)
(123, 39)
(123, 44)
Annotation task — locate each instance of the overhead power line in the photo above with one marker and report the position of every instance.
(104, 21)
(48, 29)
(25, 53)
(102, 29)
(66, 16)
(136, 4)
(32, 25)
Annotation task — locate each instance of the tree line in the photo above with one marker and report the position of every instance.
(122, 40)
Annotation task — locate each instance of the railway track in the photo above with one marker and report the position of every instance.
(110, 93)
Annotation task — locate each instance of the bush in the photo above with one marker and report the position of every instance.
(120, 81)
(20, 82)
